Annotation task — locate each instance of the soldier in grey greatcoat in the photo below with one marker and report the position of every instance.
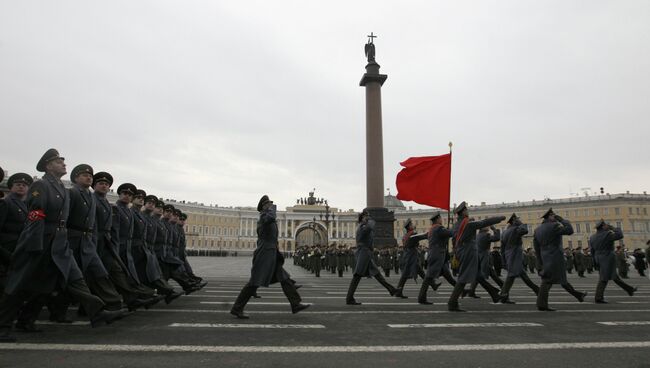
(547, 242)
(267, 263)
(152, 205)
(601, 245)
(464, 240)
(81, 228)
(106, 237)
(579, 262)
(484, 240)
(511, 239)
(410, 263)
(438, 237)
(13, 215)
(42, 261)
(124, 226)
(365, 266)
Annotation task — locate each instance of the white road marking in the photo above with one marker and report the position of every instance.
(240, 325)
(254, 303)
(455, 325)
(627, 323)
(326, 349)
(350, 311)
(74, 323)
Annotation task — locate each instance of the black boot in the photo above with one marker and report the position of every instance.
(244, 296)
(400, 288)
(422, 297)
(629, 289)
(578, 295)
(391, 289)
(494, 292)
(452, 304)
(349, 299)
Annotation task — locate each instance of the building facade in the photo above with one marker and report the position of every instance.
(312, 221)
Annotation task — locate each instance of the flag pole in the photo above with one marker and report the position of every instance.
(449, 204)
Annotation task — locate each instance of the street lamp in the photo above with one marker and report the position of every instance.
(327, 215)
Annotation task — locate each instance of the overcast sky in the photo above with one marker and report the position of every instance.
(223, 101)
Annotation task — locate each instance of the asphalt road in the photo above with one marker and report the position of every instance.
(196, 330)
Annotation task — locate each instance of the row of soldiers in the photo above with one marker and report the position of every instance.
(60, 246)
(472, 241)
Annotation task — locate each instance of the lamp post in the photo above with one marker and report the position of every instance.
(327, 215)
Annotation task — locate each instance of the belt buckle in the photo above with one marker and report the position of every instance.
(62, 224)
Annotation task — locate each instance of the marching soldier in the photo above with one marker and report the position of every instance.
(13, 215)
(601, 245)
(386, 261)
(183, 255)
(568, 255)
(365, 266)
(579, 262)
(175, 266)
(42, 262)
(151, 202)
(511, 239)
(341, 259)
(108, 245)
(438, 237)
(464, 239)
(409, 262)
(267, 263)
(315, 260)
(124, 226)
(81, 229)
(547, 242)
(621, 262)
(484, 239)
(589, 261)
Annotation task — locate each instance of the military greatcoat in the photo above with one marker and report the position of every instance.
(81, 228)
(511, 241)
(465, 246)
(409, 262)
(547, 242)
(483, 242)
(43, 259)
(365, 266)
(124, 225)
(267, 260)
(13, 215)
(436, 254)
(601, 245)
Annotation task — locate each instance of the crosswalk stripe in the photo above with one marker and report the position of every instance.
(241, 325)
(74, 323)
(626, 323)
(326, 349)
(349, 311)
(456, 325)
(254, 303)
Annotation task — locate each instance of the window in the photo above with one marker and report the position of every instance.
(596, 211)
(586, 213)
(575, 213)
(617, 211)
(638, 211)
(587, 227)
(645, 210)
(577, 228)
(570, 244)
(630, 210)
(619, 225)
(606, 211)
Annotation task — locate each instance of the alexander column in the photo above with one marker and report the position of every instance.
(384, 219)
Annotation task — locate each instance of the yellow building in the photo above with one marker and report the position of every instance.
(628, 211)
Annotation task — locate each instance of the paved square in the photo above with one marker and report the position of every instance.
(197, 330)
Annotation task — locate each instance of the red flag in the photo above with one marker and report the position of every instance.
(426, 180)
